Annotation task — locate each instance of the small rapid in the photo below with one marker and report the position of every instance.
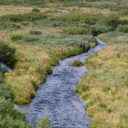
(56, 99)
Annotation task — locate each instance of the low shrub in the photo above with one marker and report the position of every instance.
(7, 24)
(23, 17)
(122, 28)
(5, 91)
(83, 18)
(84, 46)
(35, 10)
(99, 28)
(76, 63)
(7, 55)
(112, 20)
(48, 69)
(14, 25)
(9, 116)
(34, 32)
(124, 22)
(75, 30)
(30, 38)
(16, 36)
(44, 123)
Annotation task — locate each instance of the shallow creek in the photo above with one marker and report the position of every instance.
(56, 99)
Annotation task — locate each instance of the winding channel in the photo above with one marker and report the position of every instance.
(56, 99)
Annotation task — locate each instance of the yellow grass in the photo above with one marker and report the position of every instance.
(105, 87)
(10, 9)
(33, 60)
(87, 10)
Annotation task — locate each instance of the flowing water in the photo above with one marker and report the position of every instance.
(56, 99)
(63, 11)
(6, 67)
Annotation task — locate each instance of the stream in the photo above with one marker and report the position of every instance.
(56, 99)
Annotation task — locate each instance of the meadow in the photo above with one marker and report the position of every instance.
(35, 37)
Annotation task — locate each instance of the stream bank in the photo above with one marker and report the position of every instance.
(56, 99)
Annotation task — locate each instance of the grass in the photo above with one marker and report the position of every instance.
(9, 116)
(76, 63)
(104, 86)
(114, 37)
(35, 58)
(42, 36)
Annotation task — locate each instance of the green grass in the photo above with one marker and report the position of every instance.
(76, 63)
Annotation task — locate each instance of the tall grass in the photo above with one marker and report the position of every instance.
(104, 87)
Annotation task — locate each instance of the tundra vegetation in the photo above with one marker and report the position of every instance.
(34, 37)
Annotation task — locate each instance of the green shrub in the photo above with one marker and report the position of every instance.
(35, 84)
(112, 20)
(83, 18)
(48, 69)
(84, 46)
(5, 91)
(16, 36)
(44, 123)
(23, 17)
(122, 28)
(35, 10)
(7, 24)
(124, 22)
(31, 39)
(7, 55)
(10, 117)
(54, 61)
(14, 25)
(75, 30)
(34, 32)
(102, 105)
(76, 63)
(99, 28)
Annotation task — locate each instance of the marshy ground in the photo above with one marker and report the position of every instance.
(35, 36)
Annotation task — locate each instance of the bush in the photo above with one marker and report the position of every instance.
(112, 20)
(16, 36)
(48, 69)
(31, 39)
(122, 28)
(14, 25)
(10, 117)
(5, 91)
(23, 17)
(98, 28)
(7, 55)
(76, 63)
(35, 10)
(7, 24)
(44, 123)
(84, 46)
(34, 32)
(84, 18)
(75, 30)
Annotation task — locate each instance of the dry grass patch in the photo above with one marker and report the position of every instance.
(10, 9)
(88, 10)
(105, 87)
(114, 37)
